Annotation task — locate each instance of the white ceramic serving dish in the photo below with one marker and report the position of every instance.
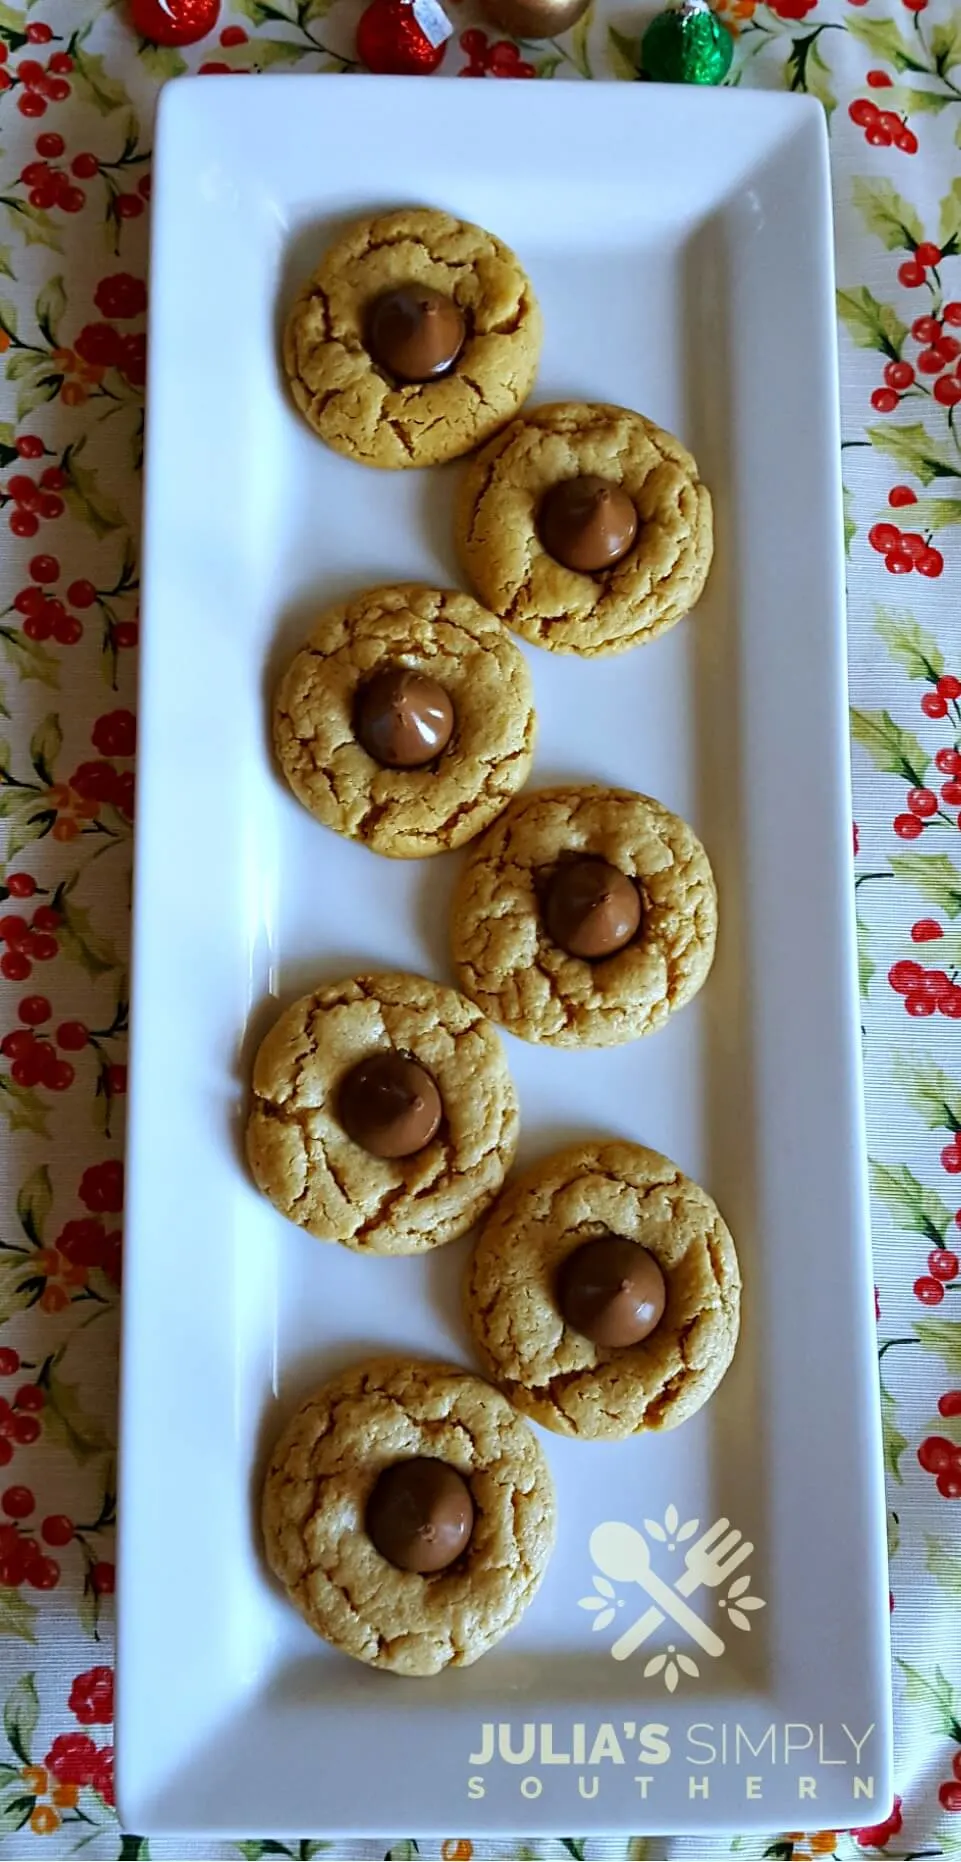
(680, 242)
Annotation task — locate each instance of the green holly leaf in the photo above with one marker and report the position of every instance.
(309, 10)
(892, 749)
(946, 45)
(916, 650)
(34, 1204)
(911, 102)
(45, 747)
(932, 1094)
(913, 448)
(85, 498)
(66, 1421)
(943, 1563)
(622, 54)
(932, 513)
(51, 304)
(27, 828)
(33, 224)
(28, 658)
(92, 79)
(162, 61)
(80, 943)
(578, 43)
(942, 1336)
(20, 1286)
(255, 11)
(6, 263)
(15, 1811)
(20, 1716)
(884, 39)
(885, 213)
(36, 393)
(549, 67)
(22, 1109)
(261, 54)
(850, 527)
(942, 1705)
(871, 324)
(816, 78)
(402, 1852)
(132, 1849)
(17, 1618)
(866, 964)
(934, 875)
(949, 222)
(575, 1846)
(893, 1535)
(894, 1443)
(8, 316)
(913, 1206)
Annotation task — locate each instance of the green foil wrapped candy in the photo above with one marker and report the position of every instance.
(687, 45)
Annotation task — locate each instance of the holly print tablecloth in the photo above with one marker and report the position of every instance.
(77, 93)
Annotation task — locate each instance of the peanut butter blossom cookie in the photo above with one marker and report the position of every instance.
(417, 337)
(604, 1293)
(584, 917)
(586, 528)
(383, 1114)
(409, 1514)
(407, 720)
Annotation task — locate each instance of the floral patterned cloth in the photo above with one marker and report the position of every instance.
(76, 101)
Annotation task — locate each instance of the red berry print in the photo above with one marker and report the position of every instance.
(926, 930)
(18, 1502)
(928, 1290)
(57, 1530)
(922, 802)
(72, 1758)
(911, 274)
(943, 1264)
(949, 686)
(91, 1697)
(950, 1403)
(9, 1361)
(908, 827)
(901, 495)
(934, 706)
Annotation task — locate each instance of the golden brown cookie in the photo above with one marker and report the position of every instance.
(406, 812)
(301, 1156)
(352, 402)
(651, 587)
(510, 966)
(318, 1484)
(550, 1371)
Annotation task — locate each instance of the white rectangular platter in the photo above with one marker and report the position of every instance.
(680, 244)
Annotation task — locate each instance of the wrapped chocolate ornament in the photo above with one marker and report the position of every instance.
(534, 19)
(687, 44)
(403, 38)
(174, 22)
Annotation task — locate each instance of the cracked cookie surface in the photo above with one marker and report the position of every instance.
(554, 1374)
(351, 402)
(655, 583)
(321, 1475)
(510, 967)
(406, 813)
(301, 1156)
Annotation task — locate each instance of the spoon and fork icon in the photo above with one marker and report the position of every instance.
(623, 1554)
